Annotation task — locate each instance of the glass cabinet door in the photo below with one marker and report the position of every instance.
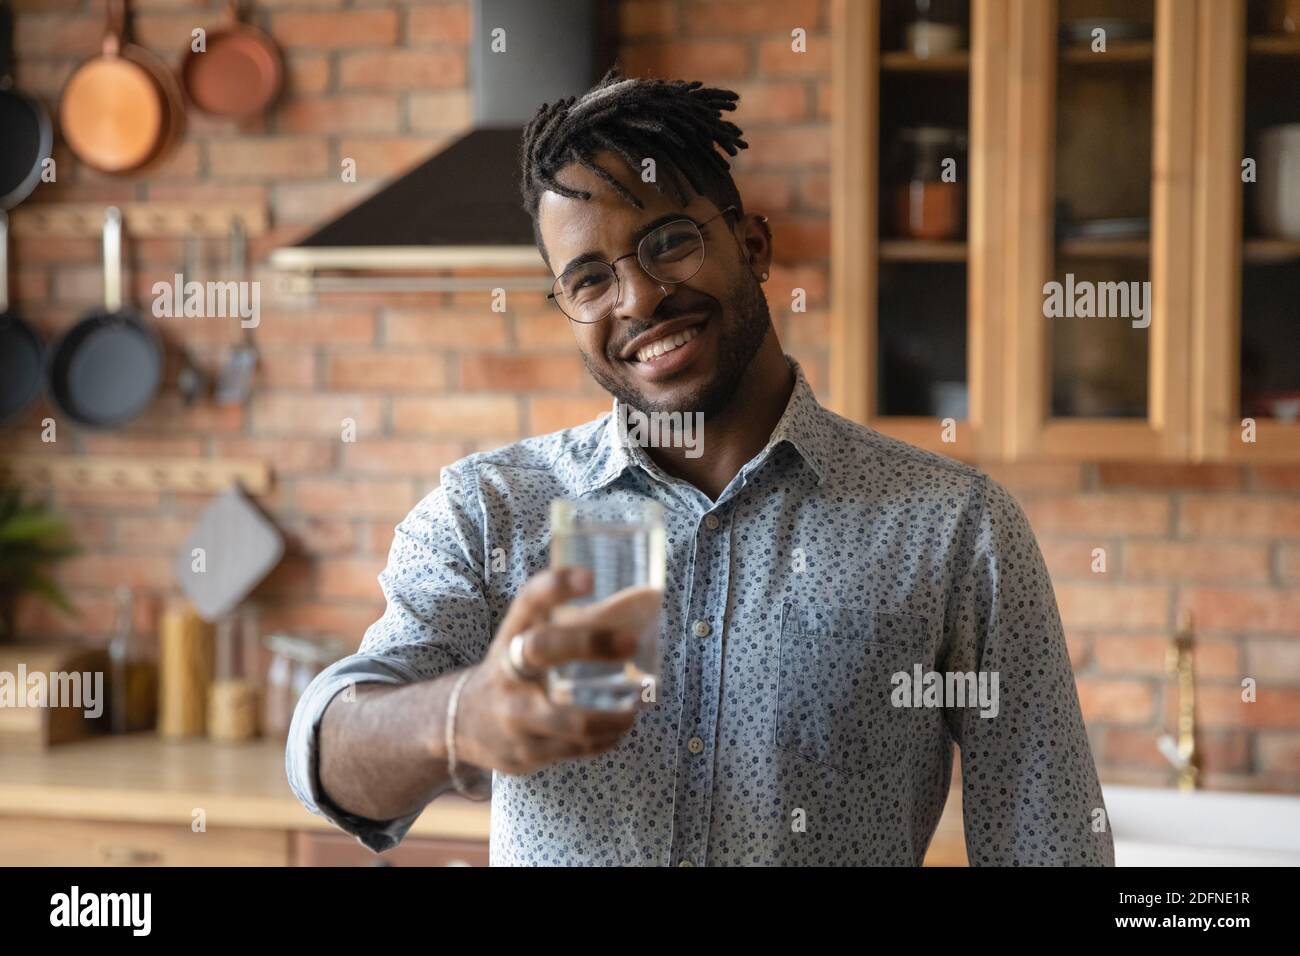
(1100, 235)
(1246, 352)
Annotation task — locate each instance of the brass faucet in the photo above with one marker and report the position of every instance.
(1179, 663)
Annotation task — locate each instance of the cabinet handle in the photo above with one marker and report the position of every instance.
(129, 856)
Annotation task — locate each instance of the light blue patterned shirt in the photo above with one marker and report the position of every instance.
(834, 561)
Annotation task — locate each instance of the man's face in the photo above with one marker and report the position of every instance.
(722, 305)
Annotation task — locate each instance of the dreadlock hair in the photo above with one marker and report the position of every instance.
(678, 124)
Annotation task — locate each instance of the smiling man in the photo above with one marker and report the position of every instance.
(811, 562)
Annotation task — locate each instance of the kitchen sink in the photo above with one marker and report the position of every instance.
(1154, 827)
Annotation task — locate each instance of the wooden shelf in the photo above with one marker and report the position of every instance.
(1270, 250)
(1117, 53)
(921, 250)
(901, 61)
(1104, 249)
(138, 218)
(139, 474)
(1277, 45)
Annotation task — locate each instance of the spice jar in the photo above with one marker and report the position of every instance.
(929, 195)
(294, 662)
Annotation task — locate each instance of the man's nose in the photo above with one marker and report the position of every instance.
(639, 294)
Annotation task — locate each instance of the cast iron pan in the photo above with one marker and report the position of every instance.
(106, 368)
(24, 122)
(22, 354)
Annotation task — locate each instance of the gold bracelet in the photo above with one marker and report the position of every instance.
(453, 771)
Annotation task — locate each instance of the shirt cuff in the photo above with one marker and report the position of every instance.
(302, 751)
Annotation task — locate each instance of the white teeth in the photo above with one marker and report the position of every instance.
(666, 344)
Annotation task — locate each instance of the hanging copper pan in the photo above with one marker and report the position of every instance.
(238, 74)
(122, 110)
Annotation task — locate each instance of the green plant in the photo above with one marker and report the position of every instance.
(32, 540)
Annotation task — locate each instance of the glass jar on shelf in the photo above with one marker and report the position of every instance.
(929, 197)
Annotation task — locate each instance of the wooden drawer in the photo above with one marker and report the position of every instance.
(336, 849)
(36, 841)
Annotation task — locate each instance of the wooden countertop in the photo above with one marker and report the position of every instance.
(145, 779)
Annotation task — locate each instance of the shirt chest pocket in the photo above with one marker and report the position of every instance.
(834, 682)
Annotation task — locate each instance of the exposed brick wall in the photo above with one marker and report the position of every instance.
(430, 377)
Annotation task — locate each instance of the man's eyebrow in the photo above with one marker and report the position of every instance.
(641, 233)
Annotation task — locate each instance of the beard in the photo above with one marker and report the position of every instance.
(738, 342)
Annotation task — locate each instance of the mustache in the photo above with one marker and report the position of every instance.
(662, 317)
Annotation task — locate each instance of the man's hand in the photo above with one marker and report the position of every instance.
(510, 725)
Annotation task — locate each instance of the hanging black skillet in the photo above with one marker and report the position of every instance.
(106, 368)
(25, 130)
(22, 353)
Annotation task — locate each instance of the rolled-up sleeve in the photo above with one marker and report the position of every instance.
(1030, 793)
(436, 620)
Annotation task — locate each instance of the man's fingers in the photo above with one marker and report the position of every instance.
(551, 644)
(544, 591)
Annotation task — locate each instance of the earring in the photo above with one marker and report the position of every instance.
(764, 275)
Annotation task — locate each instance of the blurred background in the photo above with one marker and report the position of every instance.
(927, 167)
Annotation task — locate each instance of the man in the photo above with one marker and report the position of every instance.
(815, 570)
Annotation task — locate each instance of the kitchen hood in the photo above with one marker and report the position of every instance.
(461, 207)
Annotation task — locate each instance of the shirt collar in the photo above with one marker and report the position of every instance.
(803, 426)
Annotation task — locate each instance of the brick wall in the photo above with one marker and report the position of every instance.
(425, 376)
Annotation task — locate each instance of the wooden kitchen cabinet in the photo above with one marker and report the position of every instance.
(337, 849)
(1121, 166)
(33, 841)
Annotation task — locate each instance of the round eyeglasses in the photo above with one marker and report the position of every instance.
(669, 254)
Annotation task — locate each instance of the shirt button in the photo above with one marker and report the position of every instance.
(685, 863)
(711, 522)
(701, 628)
(695, 745)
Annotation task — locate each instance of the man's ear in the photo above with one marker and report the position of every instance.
(756, 238)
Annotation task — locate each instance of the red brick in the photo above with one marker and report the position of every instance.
(396, 71)
(152, 532)
(1279, 751)
(348, 114)
(765, 192)
(293, 577)
(1239, 516)
(1115, 606)
(59, 34)
(439, 23)
(335, 30)
(1116, 701)
(815, 191)
(308, 204)
(698, 59)
(1072, 558)
(788, 145)
(287, 456)
(355, 578)
(130, 570)
(800, 238)
(771, 101)
(456, 415)
(552, 413)
(645, 18)
(1275, 708)
(107, 499)
(548, 330)
(1195, 561)
(316, 535)
(1244, 610)
(1160, 476)
(1288, 562)
(299, 328)
(316, 414)
(366, 497)
(1146, 654)
(1133, 746)
(400, 456)
(778, 58)
(386, 156)
(785, 278)
(1098, 514)
(1026, 477)
(445, 328)
(142, 446)
(561, 371)
(387, 371)
(439, 110)
(344, 619)
(1276, 477)
(1273, 660)
(286, 368)
(297, 157)
(308, 73)
(732, 17)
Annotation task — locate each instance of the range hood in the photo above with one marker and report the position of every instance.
(461, 208)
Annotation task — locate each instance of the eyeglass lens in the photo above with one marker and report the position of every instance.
(672, 253)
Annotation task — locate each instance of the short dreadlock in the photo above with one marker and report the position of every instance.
(678, 124)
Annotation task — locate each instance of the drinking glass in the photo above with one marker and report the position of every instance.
(623, 545)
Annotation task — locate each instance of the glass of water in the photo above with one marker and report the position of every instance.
(622, 543)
